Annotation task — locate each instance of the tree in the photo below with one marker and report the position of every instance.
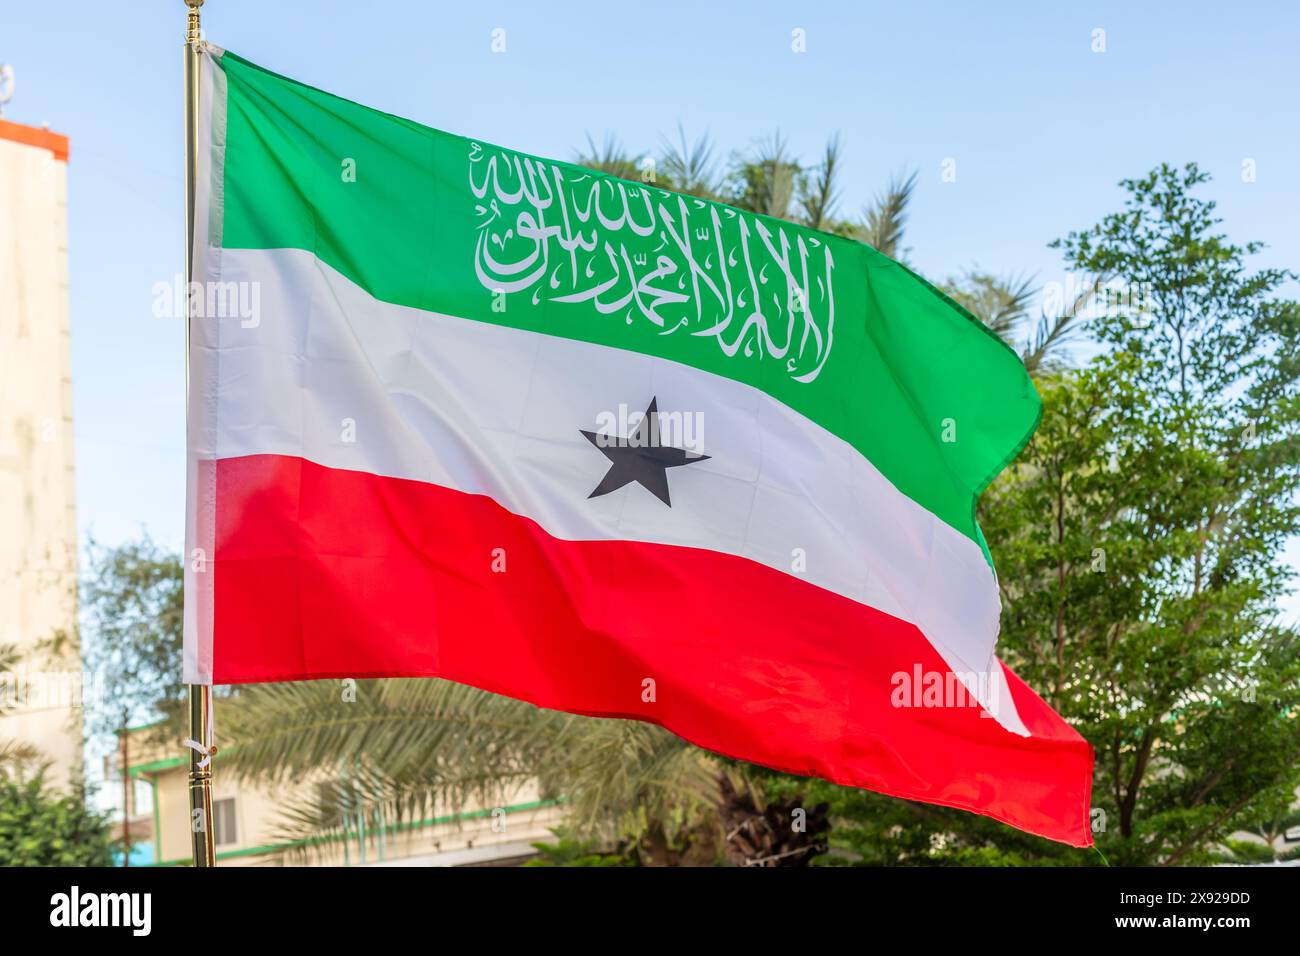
(883, 221)
(1145, 606)
(768, 179)
(1005, 305)
(133, 604)
(609, 157)
(689, 167)
(1137, 542)
(397, 748)
(39, 827)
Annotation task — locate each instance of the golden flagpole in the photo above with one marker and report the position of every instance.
(202, 838)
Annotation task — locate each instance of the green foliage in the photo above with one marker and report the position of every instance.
(609, 157)
(770, 180)
(133, 611)
(688, 167)
(1246, 853)
(1270, 830)
(572, 851)
(767, 179)
(884, 220)
(410, 748)
(1141, 534)
(39, 827)
(870, 829)
(1006, 306)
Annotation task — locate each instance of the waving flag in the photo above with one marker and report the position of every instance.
(461, 412)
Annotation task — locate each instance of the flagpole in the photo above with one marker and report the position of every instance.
(203, 841)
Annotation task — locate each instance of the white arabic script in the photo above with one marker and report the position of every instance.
(648, 254)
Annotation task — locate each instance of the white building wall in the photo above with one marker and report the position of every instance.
(38, 536)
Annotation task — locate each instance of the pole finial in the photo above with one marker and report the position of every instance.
(193, 33)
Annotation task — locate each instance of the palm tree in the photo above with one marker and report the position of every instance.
(1004, 305)
(689, 168)
(821, 189)
(1042, 353)
(405, 746)
(766, 180)
(609, 157)
(883, 221)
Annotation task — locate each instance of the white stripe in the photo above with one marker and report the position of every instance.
(202, 379)
(495, 411)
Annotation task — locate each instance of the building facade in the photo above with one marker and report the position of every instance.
(38, 543)
(249, 823)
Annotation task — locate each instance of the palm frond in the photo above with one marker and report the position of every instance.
(609, 157)
(689, 167)
(17, 754)
(766, 179)
(14, 754)
(1003, 304)
(404, 750)
(822, 192)
(618, 775)
(9, 657)
(1043, 353)
(443, 732)
(884, 221)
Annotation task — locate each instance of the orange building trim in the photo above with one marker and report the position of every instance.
(56, 143)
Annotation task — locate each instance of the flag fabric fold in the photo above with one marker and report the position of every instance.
(458, 411)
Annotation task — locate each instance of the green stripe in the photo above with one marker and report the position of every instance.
(904, 360)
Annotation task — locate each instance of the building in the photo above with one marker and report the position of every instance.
(248, 820)
(38, 546)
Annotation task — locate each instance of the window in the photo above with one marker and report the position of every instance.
(223, 821)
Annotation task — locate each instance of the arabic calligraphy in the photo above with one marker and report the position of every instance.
(687, 267)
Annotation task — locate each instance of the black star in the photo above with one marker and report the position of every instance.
(640, 458)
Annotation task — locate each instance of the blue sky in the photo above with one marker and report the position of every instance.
(1041, 128)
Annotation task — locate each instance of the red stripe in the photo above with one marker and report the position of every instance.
(323, 573)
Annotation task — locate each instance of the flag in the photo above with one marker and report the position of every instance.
(458, 411)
